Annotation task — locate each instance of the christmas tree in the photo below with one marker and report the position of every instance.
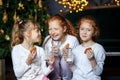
(11, 11)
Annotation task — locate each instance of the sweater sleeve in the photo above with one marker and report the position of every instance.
(76, 42)
(46, 70)
(19, 65)
(100, 57)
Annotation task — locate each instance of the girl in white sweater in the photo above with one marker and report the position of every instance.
(89, 56)
(28, 59)
(61, 33)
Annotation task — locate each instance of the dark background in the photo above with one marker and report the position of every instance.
(108, 20)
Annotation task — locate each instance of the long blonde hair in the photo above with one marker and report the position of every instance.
(18, 31)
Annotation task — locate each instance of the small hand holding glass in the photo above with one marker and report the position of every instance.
(65, 55)
(55, 50)
(55, 47)
(68, 55)
(50, 60)
(65, 51)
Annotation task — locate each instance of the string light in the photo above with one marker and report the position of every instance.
(73, 5)
(118, 2)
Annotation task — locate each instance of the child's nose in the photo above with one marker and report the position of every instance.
(53, 31)
(85, 31)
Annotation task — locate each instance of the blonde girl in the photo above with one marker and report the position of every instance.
(28, 59)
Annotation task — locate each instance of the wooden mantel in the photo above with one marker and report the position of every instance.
(101, 7)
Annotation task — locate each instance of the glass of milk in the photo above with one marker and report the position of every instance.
(70, 56)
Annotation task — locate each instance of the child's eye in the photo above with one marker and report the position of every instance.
(81, 28)
(37, 30)
(56, 28)
(89, 30)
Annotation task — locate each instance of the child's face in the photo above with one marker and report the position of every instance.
(86, 31)
(35, 34)
(55, 30)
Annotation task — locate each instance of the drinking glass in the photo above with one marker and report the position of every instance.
(49, 56)
(70, 56)
(55, 44)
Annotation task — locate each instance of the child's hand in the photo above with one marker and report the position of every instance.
(31, 56)
(65, 51)
(70, 65)
(51, 60)
(65, 55)
(90, 54)
(55, 50)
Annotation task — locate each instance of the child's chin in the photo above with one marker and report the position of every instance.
(56, 39)
(36, 41)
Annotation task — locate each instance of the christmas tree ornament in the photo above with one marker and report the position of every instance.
(20, 5)
(5, 16)
(1, 3)
(15, 16)
(7, 37)
(1, 31)
(40, 4)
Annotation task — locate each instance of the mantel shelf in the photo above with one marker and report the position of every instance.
(113, 53)
(101, 7)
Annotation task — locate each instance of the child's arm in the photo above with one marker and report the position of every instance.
(97, 61)
(32, 55)
(46, 70)
(19, 64)
(90, 54)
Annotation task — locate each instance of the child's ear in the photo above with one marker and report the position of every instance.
(64, 29)
(27, 34)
